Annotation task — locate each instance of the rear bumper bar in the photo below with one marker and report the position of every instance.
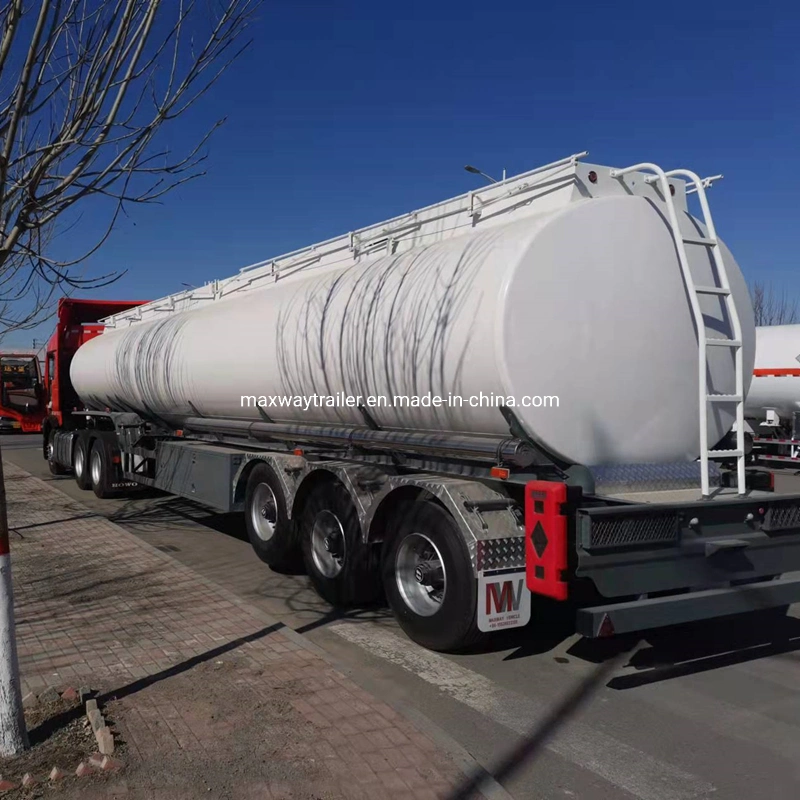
(657, 612)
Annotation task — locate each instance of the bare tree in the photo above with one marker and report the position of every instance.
(86, 87)
(91, 84)
(772, 307)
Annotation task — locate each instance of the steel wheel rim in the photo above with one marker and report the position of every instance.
(50, 452)
(328, 546)
(96, 467)
(420, 574)
(264, 512)
(79, 462)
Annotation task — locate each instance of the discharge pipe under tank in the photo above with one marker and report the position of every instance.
(489, 449)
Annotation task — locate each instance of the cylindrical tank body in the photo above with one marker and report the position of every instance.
(776, 385)
(585, 303)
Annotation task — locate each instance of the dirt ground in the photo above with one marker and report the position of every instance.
(257, 749)
(60, 735)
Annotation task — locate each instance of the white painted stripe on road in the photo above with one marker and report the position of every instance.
(620, 764)
(755, 727)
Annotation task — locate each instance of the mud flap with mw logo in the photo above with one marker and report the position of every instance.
(504, 601)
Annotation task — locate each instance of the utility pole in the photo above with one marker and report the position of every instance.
(13, 735)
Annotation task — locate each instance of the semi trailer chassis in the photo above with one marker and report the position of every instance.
(484, 529)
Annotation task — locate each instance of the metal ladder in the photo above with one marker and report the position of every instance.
(698, 185)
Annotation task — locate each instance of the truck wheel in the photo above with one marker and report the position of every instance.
(340, 565)
(55, 467)
(268, 526)
(80, 462)
(428, 578)
(101, 469)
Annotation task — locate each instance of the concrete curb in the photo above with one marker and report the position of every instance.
(467, 763)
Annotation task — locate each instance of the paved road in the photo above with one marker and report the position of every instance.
(708, 711)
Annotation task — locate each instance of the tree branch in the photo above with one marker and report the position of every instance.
(95, 85)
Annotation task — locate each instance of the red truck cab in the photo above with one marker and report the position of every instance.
(78, 321)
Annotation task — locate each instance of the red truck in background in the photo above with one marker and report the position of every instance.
(22, 394)
(77, 323)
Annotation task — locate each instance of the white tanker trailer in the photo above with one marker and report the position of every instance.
(458, 406)
(579, 301)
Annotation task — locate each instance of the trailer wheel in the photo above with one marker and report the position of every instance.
(268, 526)
(101, 469)
(55, 467)
(80, 462)
(341, 567)
(428, 578)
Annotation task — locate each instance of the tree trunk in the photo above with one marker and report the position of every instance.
(13, 736)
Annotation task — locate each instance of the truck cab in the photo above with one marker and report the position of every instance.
(78, 322)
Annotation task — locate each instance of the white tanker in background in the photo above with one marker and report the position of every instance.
(774, 395)
(584, 283)
(773, 402)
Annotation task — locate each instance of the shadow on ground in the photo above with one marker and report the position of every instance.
(665, 653)
(141, 514)
(57, 722)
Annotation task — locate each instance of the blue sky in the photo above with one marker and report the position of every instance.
(343, 114)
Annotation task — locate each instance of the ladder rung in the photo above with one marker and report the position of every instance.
(725, 398)
(725, 453)
(703, 242)
(712, 290)
(723, 343)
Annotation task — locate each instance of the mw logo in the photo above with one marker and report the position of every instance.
(504, 599)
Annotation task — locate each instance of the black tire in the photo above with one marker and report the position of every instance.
(80, 462)
(348, 573)
(49, 448)
(269, 528)
(443, 620)
(102, 470)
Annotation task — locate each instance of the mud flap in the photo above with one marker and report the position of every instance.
(503, 601)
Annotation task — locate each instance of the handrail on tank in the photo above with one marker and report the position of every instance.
(706, 182)
(567, 160)
(404, 220)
